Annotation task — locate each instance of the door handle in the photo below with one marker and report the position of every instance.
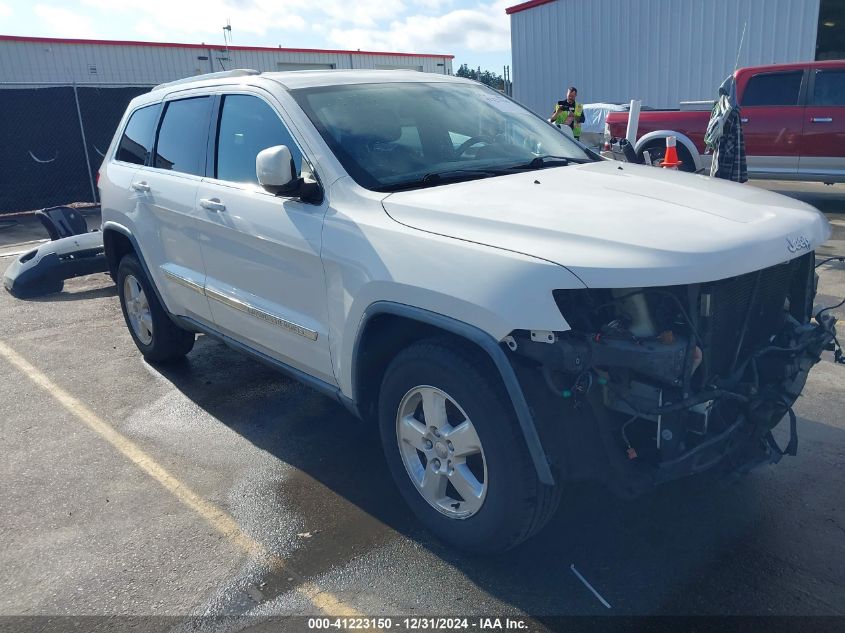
(212, 204)
(140, 186)
(744, 119)
(822, 119)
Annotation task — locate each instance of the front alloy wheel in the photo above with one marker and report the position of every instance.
(455, 448)
(441, 452)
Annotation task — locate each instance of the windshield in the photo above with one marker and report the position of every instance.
(393, 136)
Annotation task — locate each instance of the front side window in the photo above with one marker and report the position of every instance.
(773, 89)
(830, 88)
(183, 135)
(137, 139)
(393, 136)
(247, 126)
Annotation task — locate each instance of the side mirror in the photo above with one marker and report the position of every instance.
(276, 171)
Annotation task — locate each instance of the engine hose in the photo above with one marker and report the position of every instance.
(686, 403)
(792, 447)
(773, 348)
(830, 259)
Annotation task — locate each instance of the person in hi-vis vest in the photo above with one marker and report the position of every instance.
(569, 112)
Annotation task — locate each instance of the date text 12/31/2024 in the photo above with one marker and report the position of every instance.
(419, 623)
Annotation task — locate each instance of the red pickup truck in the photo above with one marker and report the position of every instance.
(793, 119)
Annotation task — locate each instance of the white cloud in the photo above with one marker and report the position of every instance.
(64, 22)
(361, 13)
(203, 19)
(483, 29)
(434, 5)
(420, 26)
(148, 30)
(5, 10)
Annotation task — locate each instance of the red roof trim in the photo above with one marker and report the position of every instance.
(526, 5)
(59, 40)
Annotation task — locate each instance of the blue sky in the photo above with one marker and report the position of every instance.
(475, 32)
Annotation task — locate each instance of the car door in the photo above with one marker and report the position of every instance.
(265, 280)
(132, 151)
(166, 190)
(823, 149)
(772, 122)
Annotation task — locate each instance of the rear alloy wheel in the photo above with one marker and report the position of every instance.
(455, 449)
(138, 310)
(157, 337)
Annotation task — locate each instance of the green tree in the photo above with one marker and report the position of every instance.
(486, 77)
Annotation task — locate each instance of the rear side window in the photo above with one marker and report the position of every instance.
(830, 88)
(247, 126)
(137, 139)
(183, 135)
(773, 89)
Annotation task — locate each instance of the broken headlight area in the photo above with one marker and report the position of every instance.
(679, 379)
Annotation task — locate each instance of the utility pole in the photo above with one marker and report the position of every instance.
(84, 144)
(227, 28)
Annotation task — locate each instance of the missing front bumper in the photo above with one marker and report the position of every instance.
(584, 436)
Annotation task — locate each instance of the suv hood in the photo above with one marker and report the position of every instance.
(618, 225)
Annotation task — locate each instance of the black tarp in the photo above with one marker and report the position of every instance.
(42, 162)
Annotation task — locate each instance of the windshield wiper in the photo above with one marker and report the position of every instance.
(550, 160)
(452, 175)
(434, 178)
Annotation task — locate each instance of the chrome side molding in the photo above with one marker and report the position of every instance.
(242, 306)
(190, 284)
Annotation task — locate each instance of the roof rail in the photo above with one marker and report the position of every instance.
(237, 72)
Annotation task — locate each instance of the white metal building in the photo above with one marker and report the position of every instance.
(659, 51)
(48, 61)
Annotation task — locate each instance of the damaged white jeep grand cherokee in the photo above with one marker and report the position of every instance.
(513, 311)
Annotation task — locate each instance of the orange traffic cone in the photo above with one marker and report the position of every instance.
(670, 161)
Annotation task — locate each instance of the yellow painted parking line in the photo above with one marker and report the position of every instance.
(214, 516)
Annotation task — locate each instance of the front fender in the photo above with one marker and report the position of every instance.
(369, 257)
(492, 348)
(507, 295)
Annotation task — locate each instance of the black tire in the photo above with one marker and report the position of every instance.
(168, 341)
(516, 504)
(657, 150)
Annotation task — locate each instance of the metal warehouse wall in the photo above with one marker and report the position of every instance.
(660, 51)
(47, 61)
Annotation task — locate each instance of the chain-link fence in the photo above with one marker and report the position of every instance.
(53, 140)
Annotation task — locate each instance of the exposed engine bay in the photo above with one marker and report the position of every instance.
(679, 379)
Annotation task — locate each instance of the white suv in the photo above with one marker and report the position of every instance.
(513, 311)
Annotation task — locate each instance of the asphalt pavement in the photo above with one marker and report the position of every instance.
(219, 487)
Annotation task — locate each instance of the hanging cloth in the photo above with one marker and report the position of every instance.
(724, 136)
